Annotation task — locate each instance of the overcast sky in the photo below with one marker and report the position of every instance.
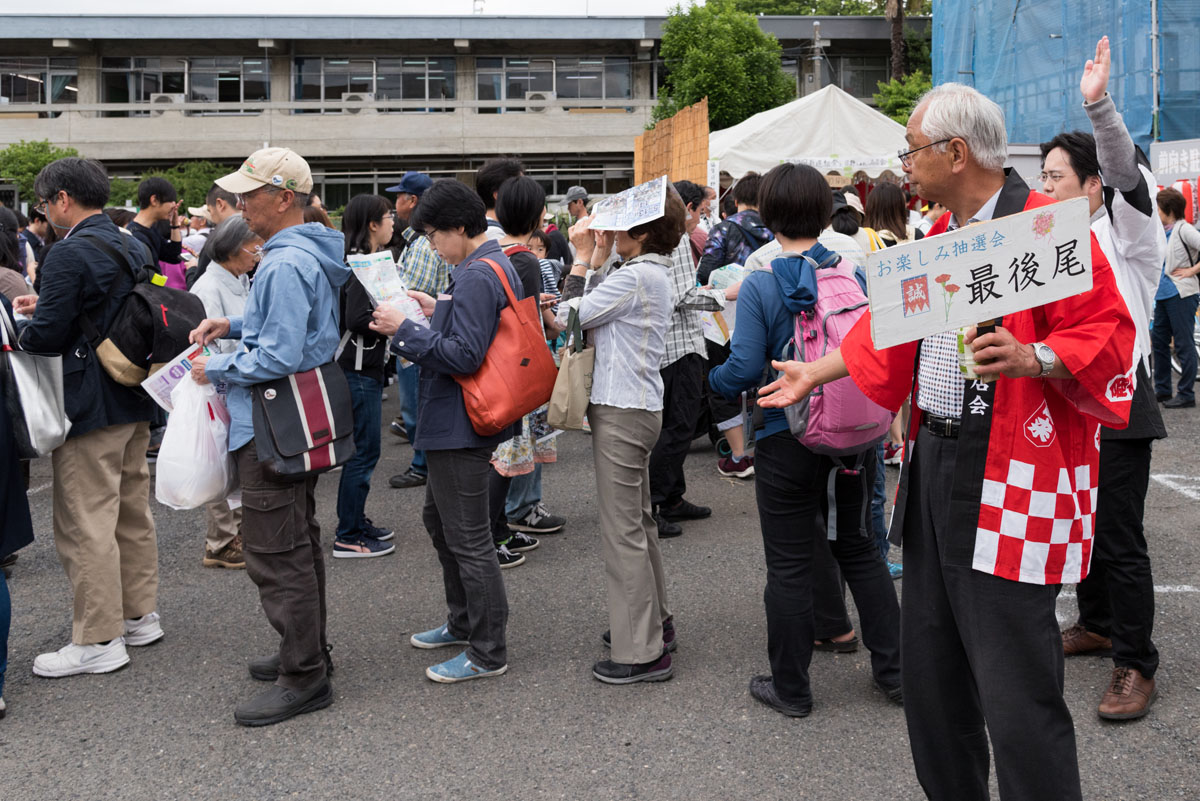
(595, 8)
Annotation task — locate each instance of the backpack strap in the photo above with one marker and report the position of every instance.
(831, 489)
(122, 259)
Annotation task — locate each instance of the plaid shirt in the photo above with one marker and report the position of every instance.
(687, 302)
(421, 268)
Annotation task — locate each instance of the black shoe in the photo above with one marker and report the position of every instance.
(667, 529)
(611, 672)
(276, 704)
(409, 478)
(507, 558)
(684, 510)
(668, 636)
(267, 668)
(397, 428)
(894, 694)
(520, 542)
(1179, 403)
(762, 689)
(1161, 398)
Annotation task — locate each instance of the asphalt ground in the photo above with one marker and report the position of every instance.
(163, 727)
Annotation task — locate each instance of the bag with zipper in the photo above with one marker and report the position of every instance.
(518, 372)
(152, 325)
(303, 423)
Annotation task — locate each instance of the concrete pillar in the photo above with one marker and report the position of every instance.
(89, 82)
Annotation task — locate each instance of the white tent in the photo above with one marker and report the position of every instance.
(828, 129)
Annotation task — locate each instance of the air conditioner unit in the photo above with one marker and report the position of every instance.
(162, 102)
(540, 96)
(358, 97)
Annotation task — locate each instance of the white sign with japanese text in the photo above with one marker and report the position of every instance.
(1172, 161)
(713, 175)
(980, 272)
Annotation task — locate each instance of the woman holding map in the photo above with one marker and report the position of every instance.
(367, 223)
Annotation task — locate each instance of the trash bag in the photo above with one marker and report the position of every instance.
(194, 464)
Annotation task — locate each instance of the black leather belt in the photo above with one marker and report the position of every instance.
(945, 427)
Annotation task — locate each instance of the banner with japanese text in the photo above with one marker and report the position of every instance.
(980, 272)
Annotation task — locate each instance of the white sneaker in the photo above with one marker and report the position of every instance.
(73, 659)
(3, 709)
(143, 630)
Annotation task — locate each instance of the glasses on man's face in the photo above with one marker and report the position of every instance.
(905, 156)
(1051, 176)
(241, 199)
(41, 207)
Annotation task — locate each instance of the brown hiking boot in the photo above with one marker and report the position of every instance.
(1078, 640)
(230, 557)
(1129, 696)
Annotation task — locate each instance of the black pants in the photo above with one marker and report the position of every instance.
(284, 559)
(457, 519)
(982, 656)
(1117, 598)
(790, 485)
(682, 384)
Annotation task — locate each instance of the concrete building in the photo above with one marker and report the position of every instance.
(365, 98)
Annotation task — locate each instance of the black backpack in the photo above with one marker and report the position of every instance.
(152, 325)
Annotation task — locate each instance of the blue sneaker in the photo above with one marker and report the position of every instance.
(895, 569)
(374, 532)
(360, 548)
(460, 668)
(436, 638)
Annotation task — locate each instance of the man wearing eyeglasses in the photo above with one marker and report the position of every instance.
(992, 522)
(103, 529)
(289, 325)
(1116, 600)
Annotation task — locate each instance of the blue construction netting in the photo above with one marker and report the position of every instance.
(1028, 55)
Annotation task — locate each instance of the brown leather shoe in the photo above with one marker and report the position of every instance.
(1078, 640)
(1129, 696)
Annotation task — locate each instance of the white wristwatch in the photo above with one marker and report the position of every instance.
(1046, 358)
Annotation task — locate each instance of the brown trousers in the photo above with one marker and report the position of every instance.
(282, 544)
(637, 591)
(103, 529)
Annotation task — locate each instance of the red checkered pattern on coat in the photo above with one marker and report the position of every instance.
(1037, 525)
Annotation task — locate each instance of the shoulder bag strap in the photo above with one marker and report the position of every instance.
(122, 259)
(512, 298)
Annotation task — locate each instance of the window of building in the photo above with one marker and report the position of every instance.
(409, 78)
(589, 77)
(228, 79)
(51, 81)
(860, 75)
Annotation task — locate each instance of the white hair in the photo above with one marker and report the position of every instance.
(957, 110)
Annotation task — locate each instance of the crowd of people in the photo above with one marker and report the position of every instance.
(974, 654)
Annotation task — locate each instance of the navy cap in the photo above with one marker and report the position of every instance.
(413, 183)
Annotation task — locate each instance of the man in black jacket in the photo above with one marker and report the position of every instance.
(103, 529)
(159, 204)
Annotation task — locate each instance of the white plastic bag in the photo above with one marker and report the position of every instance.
(194, 464)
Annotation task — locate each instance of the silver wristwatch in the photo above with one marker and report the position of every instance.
(1045, 357)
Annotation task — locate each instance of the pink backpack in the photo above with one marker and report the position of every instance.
(837, 419)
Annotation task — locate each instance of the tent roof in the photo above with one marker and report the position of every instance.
(829, 128)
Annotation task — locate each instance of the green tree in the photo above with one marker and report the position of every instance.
(897, 97)
(20, 164)
(718, 52)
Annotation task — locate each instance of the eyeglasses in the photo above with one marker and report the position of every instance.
(905, 156)
(256, 253)
(1051, 177)
(41, 207)
(241, 199)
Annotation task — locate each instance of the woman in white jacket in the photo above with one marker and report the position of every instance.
(223, 290)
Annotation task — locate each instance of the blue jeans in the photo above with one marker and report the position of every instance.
(1175, 318)
(877, 499)
(5, 623)
(366, 397)
(407, 380)
(524, 493)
